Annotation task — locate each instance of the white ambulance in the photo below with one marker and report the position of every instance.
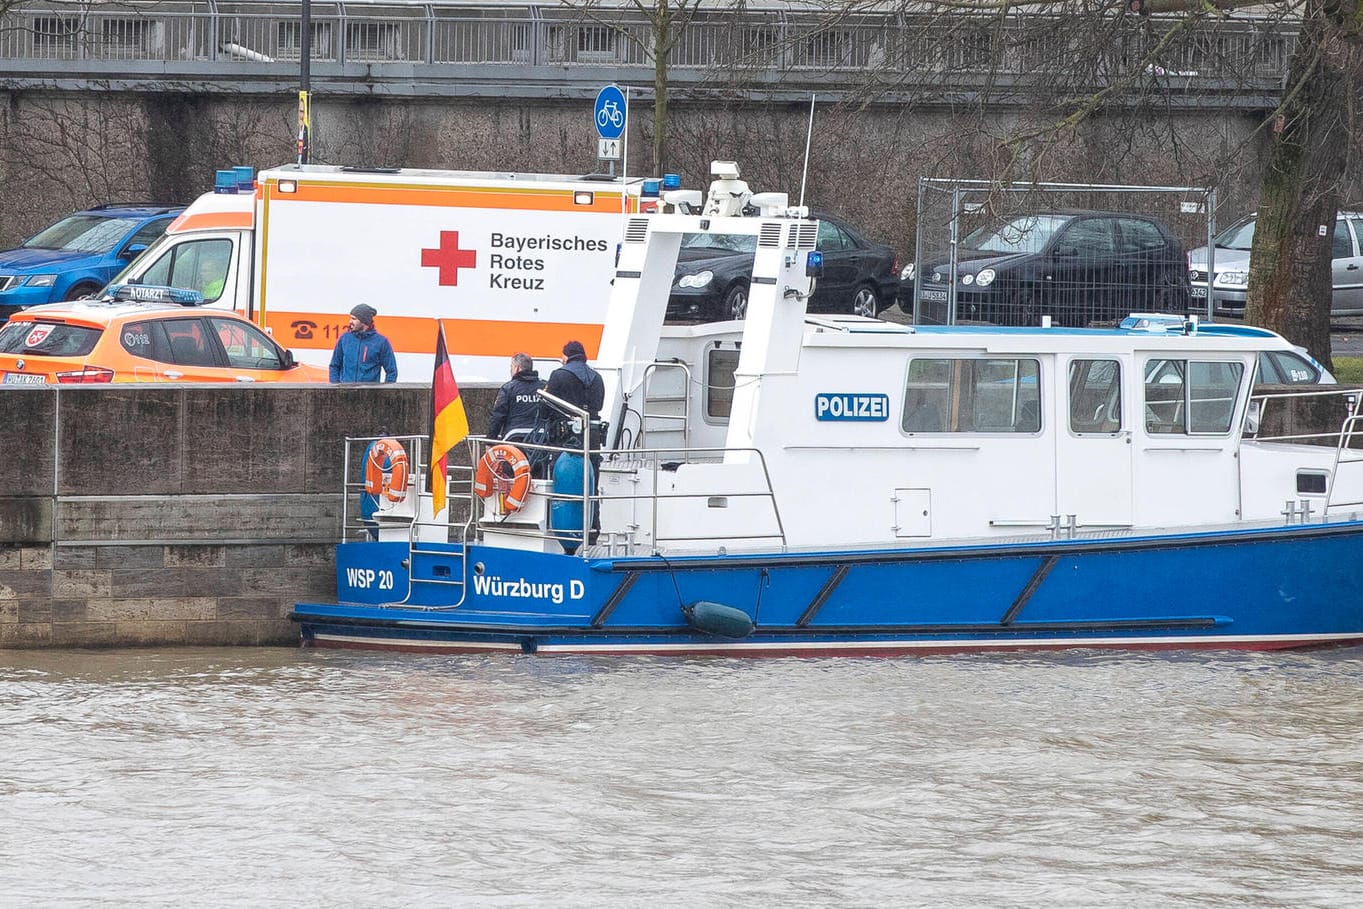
(507, 262)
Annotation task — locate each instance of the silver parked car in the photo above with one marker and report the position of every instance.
(1232, 267)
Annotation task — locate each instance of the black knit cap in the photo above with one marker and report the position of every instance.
(365, 313)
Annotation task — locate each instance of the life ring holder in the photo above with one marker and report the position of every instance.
(388, 482)
(504, 470)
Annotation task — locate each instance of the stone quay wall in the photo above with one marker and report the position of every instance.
(140, 515)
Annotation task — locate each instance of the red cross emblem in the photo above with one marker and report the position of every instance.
(449, 258)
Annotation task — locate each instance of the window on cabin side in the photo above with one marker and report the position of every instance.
(1190, 397)
(972, 396)
(720, 365)
(1095, 396)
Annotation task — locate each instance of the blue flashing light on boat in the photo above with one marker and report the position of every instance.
(1160, 323)
(651, 189)
(814, 264)
(671, 181)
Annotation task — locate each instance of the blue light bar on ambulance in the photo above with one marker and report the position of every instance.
(225, 182)
(246, 179)
(151, 293)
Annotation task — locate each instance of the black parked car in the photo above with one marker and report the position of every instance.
(713, 272)
(1074, 266)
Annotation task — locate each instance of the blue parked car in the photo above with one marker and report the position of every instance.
(79, 254)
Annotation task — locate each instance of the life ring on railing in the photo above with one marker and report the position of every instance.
(505, 470)
(385, 470)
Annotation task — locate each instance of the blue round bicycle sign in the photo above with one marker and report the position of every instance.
(610, 113)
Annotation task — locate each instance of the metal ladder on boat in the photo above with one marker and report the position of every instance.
(455, 569)
(651, 373)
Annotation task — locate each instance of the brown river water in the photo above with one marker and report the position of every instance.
(277, 777)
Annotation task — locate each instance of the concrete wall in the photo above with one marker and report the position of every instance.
(156, 514)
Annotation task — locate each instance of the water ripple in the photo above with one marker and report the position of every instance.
(252, 777)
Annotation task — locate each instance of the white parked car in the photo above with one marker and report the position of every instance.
(1232, 267)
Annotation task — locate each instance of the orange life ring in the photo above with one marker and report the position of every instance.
(390, 481)
(504, 470)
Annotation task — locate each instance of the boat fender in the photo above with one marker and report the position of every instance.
(385, 470)
(718, 620)
(505, 470)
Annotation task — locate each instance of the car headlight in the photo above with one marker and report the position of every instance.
(967, 279)
(699, 279)
(985, 277)
(1233, 278)
(907, 273)
(41, 280)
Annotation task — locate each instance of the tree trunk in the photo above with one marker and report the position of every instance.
(1290, 276)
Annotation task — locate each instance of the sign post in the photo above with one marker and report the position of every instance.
(305, 84)
(610, 114)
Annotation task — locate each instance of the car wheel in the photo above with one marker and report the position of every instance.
(79, 291)
(736, 302)
(866, 302)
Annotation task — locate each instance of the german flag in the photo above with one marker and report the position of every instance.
(450, 423)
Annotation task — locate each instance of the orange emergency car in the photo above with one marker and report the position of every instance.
(116, 339)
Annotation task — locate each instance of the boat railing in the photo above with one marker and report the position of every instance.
(1319, 416)
(1323, 417)
(417, 520)
(469, 516)
(356, 525)
(657, 462)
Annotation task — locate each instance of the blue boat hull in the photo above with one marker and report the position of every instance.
(1286, 587)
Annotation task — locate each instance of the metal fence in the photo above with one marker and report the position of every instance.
(748, 40)
(1014, 253)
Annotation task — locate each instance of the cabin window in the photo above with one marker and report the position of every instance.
(195, 264)
(1189, 397)
(973, 395)
(720, 365)
(1095, 396)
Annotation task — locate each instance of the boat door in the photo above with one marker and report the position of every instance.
(1094, 476)
(1189, 435)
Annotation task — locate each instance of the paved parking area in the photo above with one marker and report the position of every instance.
(1346, 337)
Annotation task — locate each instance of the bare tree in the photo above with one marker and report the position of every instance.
(654, 28)
(1082, 89)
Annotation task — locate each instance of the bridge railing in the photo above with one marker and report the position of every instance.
(753, 41)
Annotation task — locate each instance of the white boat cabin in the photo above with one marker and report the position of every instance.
(790, 431)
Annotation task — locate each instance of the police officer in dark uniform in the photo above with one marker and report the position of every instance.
(580, 385)
(517, 409)
(577, 383)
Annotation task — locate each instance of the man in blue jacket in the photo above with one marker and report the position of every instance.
(361, 352)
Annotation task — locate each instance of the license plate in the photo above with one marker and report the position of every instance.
(934, 296)
(25, 378)
(1199, 293)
